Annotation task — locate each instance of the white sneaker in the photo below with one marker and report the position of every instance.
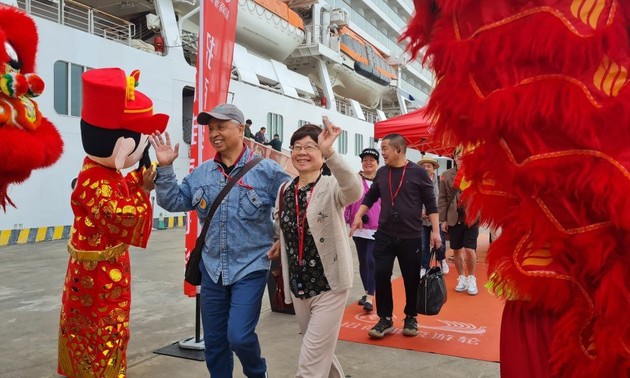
(462, 283)
(445, 268)
(472, 285)
(422, 272)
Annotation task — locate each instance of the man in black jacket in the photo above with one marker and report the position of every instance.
(403, 187)
(276, 143)
(248, 129)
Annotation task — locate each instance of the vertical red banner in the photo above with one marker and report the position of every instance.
(217, 29)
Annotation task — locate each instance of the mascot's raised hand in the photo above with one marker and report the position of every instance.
(29, 140)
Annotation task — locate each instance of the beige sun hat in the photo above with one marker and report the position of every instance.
(436, 165)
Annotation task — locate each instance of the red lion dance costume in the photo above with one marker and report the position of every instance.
(111, 212)
(28, 140)
(539, 91)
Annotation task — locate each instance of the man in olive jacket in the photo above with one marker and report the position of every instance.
(462, 237)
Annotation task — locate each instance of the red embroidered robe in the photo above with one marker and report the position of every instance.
(111, 212)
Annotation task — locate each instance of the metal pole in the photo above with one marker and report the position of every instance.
(198, 338)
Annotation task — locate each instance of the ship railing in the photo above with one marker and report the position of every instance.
(370, 115)
(190, 45)
(82, 17)
(313, 34)
(344, 107)
(317, 34)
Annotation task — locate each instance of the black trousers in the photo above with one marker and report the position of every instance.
(408, 252)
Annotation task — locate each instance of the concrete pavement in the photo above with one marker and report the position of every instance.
(31, 280)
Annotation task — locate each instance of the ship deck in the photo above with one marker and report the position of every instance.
(31, 280)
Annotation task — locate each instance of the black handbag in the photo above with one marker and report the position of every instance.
(193, 272)
(431, 290)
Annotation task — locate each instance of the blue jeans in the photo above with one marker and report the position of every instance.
(229, 316)
(426, 246)
(365, 252)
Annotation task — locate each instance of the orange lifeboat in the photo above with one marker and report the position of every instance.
(269, 27)
(364, 74)
(368, 61)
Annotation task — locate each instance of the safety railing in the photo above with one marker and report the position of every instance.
(343, 106)
(313, 34)
(82, 17)
(370, 115)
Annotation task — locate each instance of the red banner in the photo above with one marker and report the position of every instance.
(217, 29)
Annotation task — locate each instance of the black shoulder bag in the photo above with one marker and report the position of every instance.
(432, 289)
(193, 273)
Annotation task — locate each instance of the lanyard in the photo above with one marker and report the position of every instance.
(391, 190)
(301, 228)
(240, 181)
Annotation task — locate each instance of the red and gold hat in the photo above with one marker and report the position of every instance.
(111, 101)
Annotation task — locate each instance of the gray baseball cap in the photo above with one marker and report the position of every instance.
(223, 112)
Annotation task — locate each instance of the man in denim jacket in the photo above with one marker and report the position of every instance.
(234, 258)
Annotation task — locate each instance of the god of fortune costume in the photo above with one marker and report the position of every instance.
(28, 140)
(540, 91)
(111, 212)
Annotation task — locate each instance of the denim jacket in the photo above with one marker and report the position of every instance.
(241, 231)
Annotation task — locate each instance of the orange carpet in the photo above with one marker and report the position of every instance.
(467, 326)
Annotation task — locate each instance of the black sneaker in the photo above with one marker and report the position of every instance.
(411, 326)
(383, 327)
(368, 306)
(362, 300)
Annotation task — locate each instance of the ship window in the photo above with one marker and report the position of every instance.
(302, 123)
(61, 87)
(76, 89)
(188, 100)
(371, 142)
(358, 144)
(342, 145)
(274, 125)
(68, 88)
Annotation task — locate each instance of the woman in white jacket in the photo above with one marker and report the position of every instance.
(313, 245)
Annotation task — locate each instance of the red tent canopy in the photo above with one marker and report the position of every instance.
(417, 130)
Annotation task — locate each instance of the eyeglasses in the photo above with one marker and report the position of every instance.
(307, 148)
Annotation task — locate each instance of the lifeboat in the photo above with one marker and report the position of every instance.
(269, 28)
(365, 75)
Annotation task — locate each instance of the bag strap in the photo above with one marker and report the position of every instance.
(433, 256)
(230, 184)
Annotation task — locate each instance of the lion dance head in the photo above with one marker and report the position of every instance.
(29, 141)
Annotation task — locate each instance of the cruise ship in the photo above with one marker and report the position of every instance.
(293, 63)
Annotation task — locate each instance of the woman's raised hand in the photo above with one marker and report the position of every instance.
(164, 152)
(327, 137)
